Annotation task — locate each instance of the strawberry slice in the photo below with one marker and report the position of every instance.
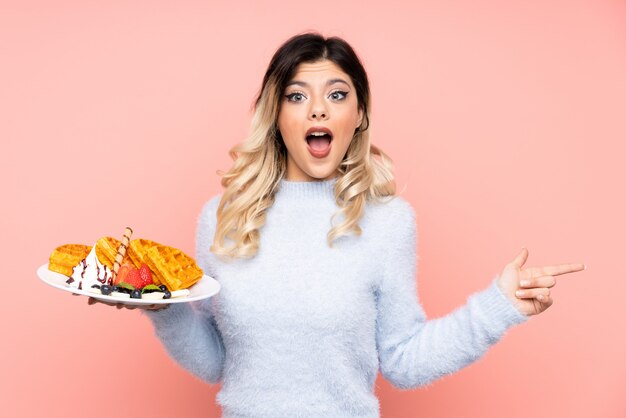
(146, 276)
(133, 278)
(122, 273)
(138, 278)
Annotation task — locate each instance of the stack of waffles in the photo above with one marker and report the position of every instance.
(169, 266)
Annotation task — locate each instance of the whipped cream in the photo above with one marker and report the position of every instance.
(90, 271)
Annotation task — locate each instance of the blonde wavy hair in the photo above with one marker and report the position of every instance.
(260, 162)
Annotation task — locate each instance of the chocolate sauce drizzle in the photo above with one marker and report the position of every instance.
(104, 280)
(82, 274)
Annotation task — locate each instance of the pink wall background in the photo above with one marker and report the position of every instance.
(506, 121)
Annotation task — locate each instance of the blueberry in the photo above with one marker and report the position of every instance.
(167, 294)
(136, 294)
(163, 288)
(106, 289)
(95, 286)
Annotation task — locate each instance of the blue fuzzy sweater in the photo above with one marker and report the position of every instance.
(302, 329)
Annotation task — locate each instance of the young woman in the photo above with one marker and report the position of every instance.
(316, 260)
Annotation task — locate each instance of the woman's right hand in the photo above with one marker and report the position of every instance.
(154, 307)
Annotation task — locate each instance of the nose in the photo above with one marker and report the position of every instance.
(318, 110)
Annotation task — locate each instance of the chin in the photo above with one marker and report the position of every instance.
(322, 175)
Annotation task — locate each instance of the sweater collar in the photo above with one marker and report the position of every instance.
(302, 189)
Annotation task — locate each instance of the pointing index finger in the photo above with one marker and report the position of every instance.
(555, 270)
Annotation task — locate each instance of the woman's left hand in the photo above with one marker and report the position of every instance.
(529, 288)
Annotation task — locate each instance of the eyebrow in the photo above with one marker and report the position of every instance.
(328, 83)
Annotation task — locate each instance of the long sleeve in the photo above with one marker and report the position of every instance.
(414, 351)
(188, 330)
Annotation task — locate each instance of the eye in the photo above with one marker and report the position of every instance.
(338, 95)
(295, 97)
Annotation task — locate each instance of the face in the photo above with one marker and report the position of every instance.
(318, 116)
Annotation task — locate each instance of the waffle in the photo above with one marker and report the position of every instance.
(137, 250)
(172, 267)
(106, 250)
(64, 258)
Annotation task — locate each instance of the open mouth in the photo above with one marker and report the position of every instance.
(319, 140)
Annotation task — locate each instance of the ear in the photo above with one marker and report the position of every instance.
(360, 119)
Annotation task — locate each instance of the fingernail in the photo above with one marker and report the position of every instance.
(524, 283)
(519, 293)
(540, 297)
